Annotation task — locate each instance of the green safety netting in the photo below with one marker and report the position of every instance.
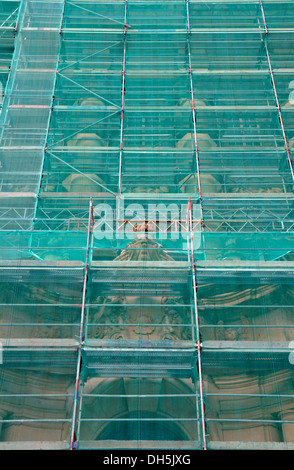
(146, 224)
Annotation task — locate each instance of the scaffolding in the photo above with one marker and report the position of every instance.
(146, 224)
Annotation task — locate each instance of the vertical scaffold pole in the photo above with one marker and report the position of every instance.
(263, 17)
(73, 437)
(62, 16)
(21, 11)
(199, 340)
(123, 91)
(194, 114)
(266, 30)
(19, 8)
(52, 98)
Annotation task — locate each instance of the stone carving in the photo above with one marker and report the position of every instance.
(86, 140)
(133, 319)
(87, 183)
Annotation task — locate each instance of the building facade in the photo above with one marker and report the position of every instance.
(146, 224)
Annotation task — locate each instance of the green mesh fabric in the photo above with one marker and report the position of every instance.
(129, 321)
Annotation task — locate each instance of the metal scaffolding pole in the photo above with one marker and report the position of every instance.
(48, 127)
(266, 30)
(199, 340)
(194, 113)
(123, 91)
(73, 437)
